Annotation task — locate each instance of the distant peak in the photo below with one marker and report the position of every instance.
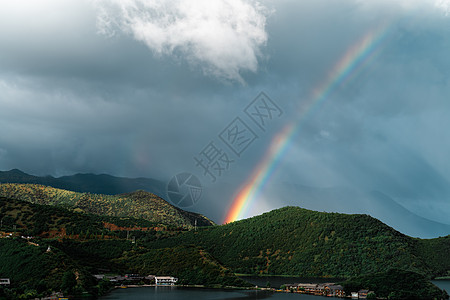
(16, 171)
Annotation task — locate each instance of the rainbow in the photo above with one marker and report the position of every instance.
(357, 56)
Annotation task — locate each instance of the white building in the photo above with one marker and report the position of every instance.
(5, 281)
(165, 280)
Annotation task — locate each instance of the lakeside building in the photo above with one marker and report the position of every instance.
(165, 280)
(128, 278)
(335, 290)
(362, 294)
(308, 288)
(318, 289)
(134, 277)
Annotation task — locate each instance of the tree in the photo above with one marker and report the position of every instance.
(371, 295)
(69, 281)
(444, 294)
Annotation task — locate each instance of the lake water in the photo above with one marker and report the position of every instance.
(442, 284)
(177, 293)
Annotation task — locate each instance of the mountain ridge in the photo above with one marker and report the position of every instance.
(297, 241)
(138, 204)
(88, 182)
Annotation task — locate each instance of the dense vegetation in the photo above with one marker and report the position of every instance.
(191, 264)
(48, 221)
(297, 241)
(436, 252)
(84, 244)
(396, 284)
(140, 204)
(287, 241)
(34, 271)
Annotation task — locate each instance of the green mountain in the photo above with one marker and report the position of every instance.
(139, 204)
(84, 244)
(287, 241)
(297, 241)
(88, 183)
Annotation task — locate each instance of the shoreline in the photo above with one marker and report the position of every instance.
(281, 276)
(193, 286)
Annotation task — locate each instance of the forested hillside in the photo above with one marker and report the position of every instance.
(286, 241)
(41, 245)
(297, 241)
(35, 271)
(139, 204)
(55, 222)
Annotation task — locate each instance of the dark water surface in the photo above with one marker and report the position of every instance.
(177, 293)
(443, 284)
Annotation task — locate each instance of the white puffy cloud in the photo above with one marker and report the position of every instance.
(222, 37)
(444, 5)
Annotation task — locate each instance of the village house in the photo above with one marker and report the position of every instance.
(335, 290)
(149, 278)
(308, 288)
(133, 277)
(362, 294)
(322, 289)
(128, 278)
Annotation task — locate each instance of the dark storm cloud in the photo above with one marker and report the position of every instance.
(73, 100)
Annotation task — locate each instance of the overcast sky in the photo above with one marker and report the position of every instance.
(139, 88)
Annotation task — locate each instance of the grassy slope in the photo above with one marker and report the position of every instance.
(297, 241)
(139, 204)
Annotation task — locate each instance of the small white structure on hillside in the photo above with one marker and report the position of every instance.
(165, 280)
(5, 281)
